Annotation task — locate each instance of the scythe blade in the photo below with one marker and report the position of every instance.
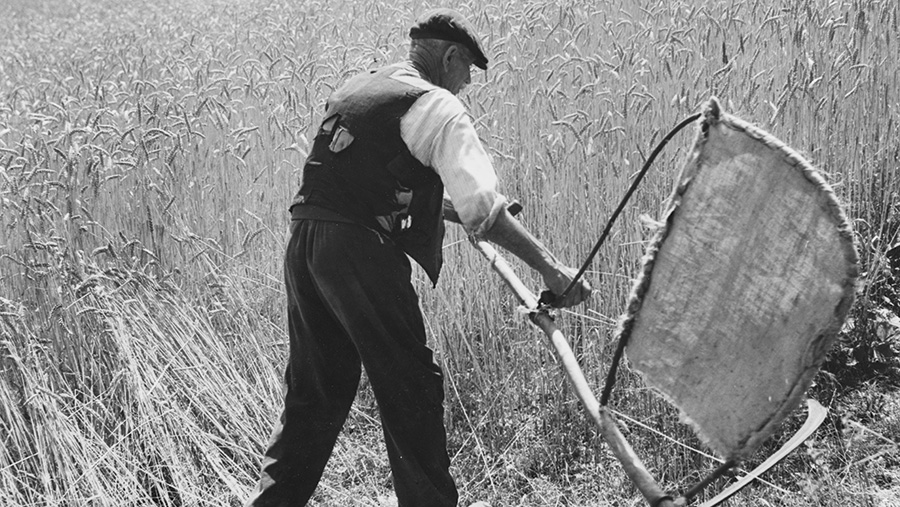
(815, 416)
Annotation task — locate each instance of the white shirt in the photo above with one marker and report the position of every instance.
(439, 133)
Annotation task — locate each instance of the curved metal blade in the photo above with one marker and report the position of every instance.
(815, 415)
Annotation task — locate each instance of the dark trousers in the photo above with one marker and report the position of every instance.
(351, 303)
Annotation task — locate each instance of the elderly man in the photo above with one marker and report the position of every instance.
(391, 142)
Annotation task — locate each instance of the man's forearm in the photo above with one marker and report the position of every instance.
(512, 236)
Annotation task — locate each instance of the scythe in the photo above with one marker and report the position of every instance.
(741, 294)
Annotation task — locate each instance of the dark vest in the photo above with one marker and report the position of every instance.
(360, 168)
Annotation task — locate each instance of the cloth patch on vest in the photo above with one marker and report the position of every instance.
(341, 140)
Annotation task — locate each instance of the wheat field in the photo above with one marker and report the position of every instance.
(148, 152)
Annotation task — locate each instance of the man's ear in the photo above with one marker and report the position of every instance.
(451, 52)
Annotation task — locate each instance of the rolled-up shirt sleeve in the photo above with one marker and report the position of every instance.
(439, 134)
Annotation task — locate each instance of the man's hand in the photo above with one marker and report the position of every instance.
(512, 236)
(558, 281)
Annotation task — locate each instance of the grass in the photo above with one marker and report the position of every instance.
(147, 154)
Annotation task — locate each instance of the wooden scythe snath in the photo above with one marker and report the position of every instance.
(741, 294)
(600, 414)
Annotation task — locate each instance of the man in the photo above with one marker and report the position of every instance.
(391, 142)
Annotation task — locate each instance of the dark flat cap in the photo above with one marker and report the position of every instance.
(449, 25)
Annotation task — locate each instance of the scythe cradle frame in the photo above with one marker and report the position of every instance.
(604, 419)
(598, 410)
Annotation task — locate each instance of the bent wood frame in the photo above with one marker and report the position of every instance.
(631, 463)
